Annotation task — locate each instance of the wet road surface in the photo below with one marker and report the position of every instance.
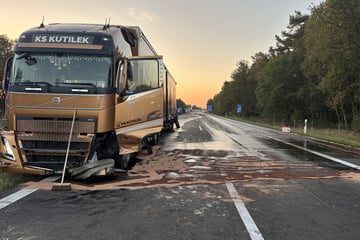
(181, 191)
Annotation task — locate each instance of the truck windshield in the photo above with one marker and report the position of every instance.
(58, 69)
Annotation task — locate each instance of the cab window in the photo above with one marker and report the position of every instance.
(144, 75)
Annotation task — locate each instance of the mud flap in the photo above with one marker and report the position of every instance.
(90, 169)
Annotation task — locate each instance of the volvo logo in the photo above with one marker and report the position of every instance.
(55, 100)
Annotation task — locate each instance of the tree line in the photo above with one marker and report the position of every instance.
(312, 73)
(5, 51)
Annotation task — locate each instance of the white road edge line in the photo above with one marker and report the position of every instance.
(23, 192)
(249, 223)
(200, 128)
(15, 196)
(348, 164)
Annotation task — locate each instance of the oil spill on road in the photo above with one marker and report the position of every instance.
(189, 167)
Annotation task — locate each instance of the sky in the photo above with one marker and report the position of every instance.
(201, 41)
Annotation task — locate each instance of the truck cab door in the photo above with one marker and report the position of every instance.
(140, 111)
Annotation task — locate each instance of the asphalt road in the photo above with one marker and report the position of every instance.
(211, 179)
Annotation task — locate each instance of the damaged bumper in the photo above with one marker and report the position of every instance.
(10, 160)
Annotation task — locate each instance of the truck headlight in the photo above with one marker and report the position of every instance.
(9, 152)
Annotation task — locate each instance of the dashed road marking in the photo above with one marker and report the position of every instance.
(249, 223)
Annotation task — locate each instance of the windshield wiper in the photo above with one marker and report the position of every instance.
(83, 84)
(29, 83)
(80, 84)
(34, 86)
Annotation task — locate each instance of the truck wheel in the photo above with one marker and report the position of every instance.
(122, 161)
(155, 139)
(148, 146)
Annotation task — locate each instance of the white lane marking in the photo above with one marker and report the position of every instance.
(15, 196)
(249, 223)
(348, 164)
(24, 192)
(200, 128)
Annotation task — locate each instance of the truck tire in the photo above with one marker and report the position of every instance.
(122, 161)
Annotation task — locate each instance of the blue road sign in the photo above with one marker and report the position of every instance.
(209, 108)
(238, 108)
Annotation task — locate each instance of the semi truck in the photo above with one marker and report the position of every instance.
(82, 99)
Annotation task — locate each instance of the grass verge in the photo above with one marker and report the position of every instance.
(332, 135)
(9, 181)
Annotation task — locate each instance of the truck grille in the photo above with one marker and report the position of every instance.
(43, 141)
(55, 126)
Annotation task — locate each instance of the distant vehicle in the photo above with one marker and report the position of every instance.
(88, 95)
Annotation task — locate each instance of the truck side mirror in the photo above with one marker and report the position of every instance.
(7, 73)
(122, 76)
